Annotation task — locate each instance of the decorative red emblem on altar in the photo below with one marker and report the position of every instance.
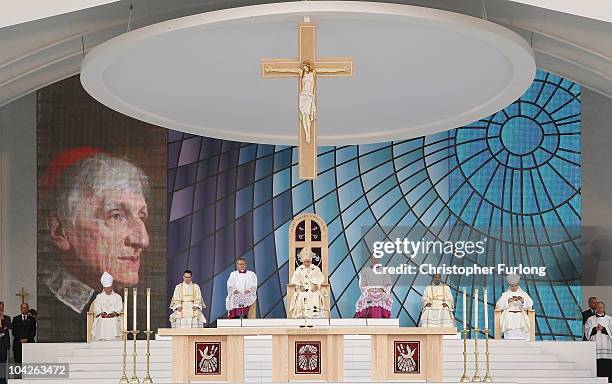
(407, 357)
(307, 357)
(208, 358)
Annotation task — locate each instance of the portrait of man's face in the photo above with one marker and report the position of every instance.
(110, 234)
(102, 226)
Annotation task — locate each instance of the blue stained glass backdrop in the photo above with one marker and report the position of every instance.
(513, 177)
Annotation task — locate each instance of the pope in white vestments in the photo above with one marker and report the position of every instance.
(438, 305)
(514, 322)
(187, 304)
(241, 291)
(375, 301)
(107, 307)
(307, 300)
(598, 328)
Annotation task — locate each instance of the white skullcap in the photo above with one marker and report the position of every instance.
(513, 279)
(106, 280)
(305, 254)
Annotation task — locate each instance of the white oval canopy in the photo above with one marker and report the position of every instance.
(416, 71)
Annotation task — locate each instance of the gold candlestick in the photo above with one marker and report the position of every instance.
(476, 378)
(464, 377)
(124, 378)
(487, 378)
(148, 379)
(134, 379)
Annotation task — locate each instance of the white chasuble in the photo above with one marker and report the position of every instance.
(106, 327)
(187, 304)
(437, 314)
(241, 282)
(307, 299)
(602, 336)
(514, 321)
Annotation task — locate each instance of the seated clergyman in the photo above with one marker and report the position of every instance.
(241, 290)
(375, 300)
(598, 328)
(438, 305)
(307, 300)
(106, 308)
(515, 303)
(187, 304)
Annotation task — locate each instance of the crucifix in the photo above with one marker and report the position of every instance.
(23, 294)
(307, 68)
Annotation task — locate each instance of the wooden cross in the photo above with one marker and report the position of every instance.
(23, 294)
(307, 68)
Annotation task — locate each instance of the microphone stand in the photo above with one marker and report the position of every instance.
(241, 306)
(368, 304)
(304, 315)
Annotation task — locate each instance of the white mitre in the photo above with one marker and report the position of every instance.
(106, 280)
(513, 279)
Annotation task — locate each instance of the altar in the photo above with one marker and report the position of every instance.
(310, 352)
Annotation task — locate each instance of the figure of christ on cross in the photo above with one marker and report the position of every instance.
(307, 103)
(307, 69)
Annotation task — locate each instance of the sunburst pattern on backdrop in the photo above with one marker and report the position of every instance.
(512, 179)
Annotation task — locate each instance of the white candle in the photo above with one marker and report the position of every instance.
(134, 314)
(148, 309)
(464, 309)
(125, 308)
(486, 309)
(476, 308)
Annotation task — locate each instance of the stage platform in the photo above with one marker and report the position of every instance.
(540, 362)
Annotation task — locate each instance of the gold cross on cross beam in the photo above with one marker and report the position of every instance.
(23, 294)
(307, 68)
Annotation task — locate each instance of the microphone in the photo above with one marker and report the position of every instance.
(241, 306)
(368, 306)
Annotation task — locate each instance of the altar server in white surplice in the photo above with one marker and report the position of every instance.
(241, 290)
(598, 328)
(515, 303)
(106, 308)
(307, 300)
(438, 305)
(187, 304)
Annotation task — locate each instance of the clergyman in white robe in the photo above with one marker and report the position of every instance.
(514, 321)
(187, 304)
(598, 328)
(107, 308)
(307, 300)
(375, 301)
(241, 291)
(438, 305)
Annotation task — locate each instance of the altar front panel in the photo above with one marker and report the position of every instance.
(207, 358)
(405, 357)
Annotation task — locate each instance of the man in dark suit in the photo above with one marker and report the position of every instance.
(24, 330)
(5, 342)
(590, 311)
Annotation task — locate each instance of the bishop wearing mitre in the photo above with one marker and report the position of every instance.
(107, 307)
(515, 303)
(307, 300)
(187, 304)
(375, 300)
(598, 328)
(241, 290)
(438, 305)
